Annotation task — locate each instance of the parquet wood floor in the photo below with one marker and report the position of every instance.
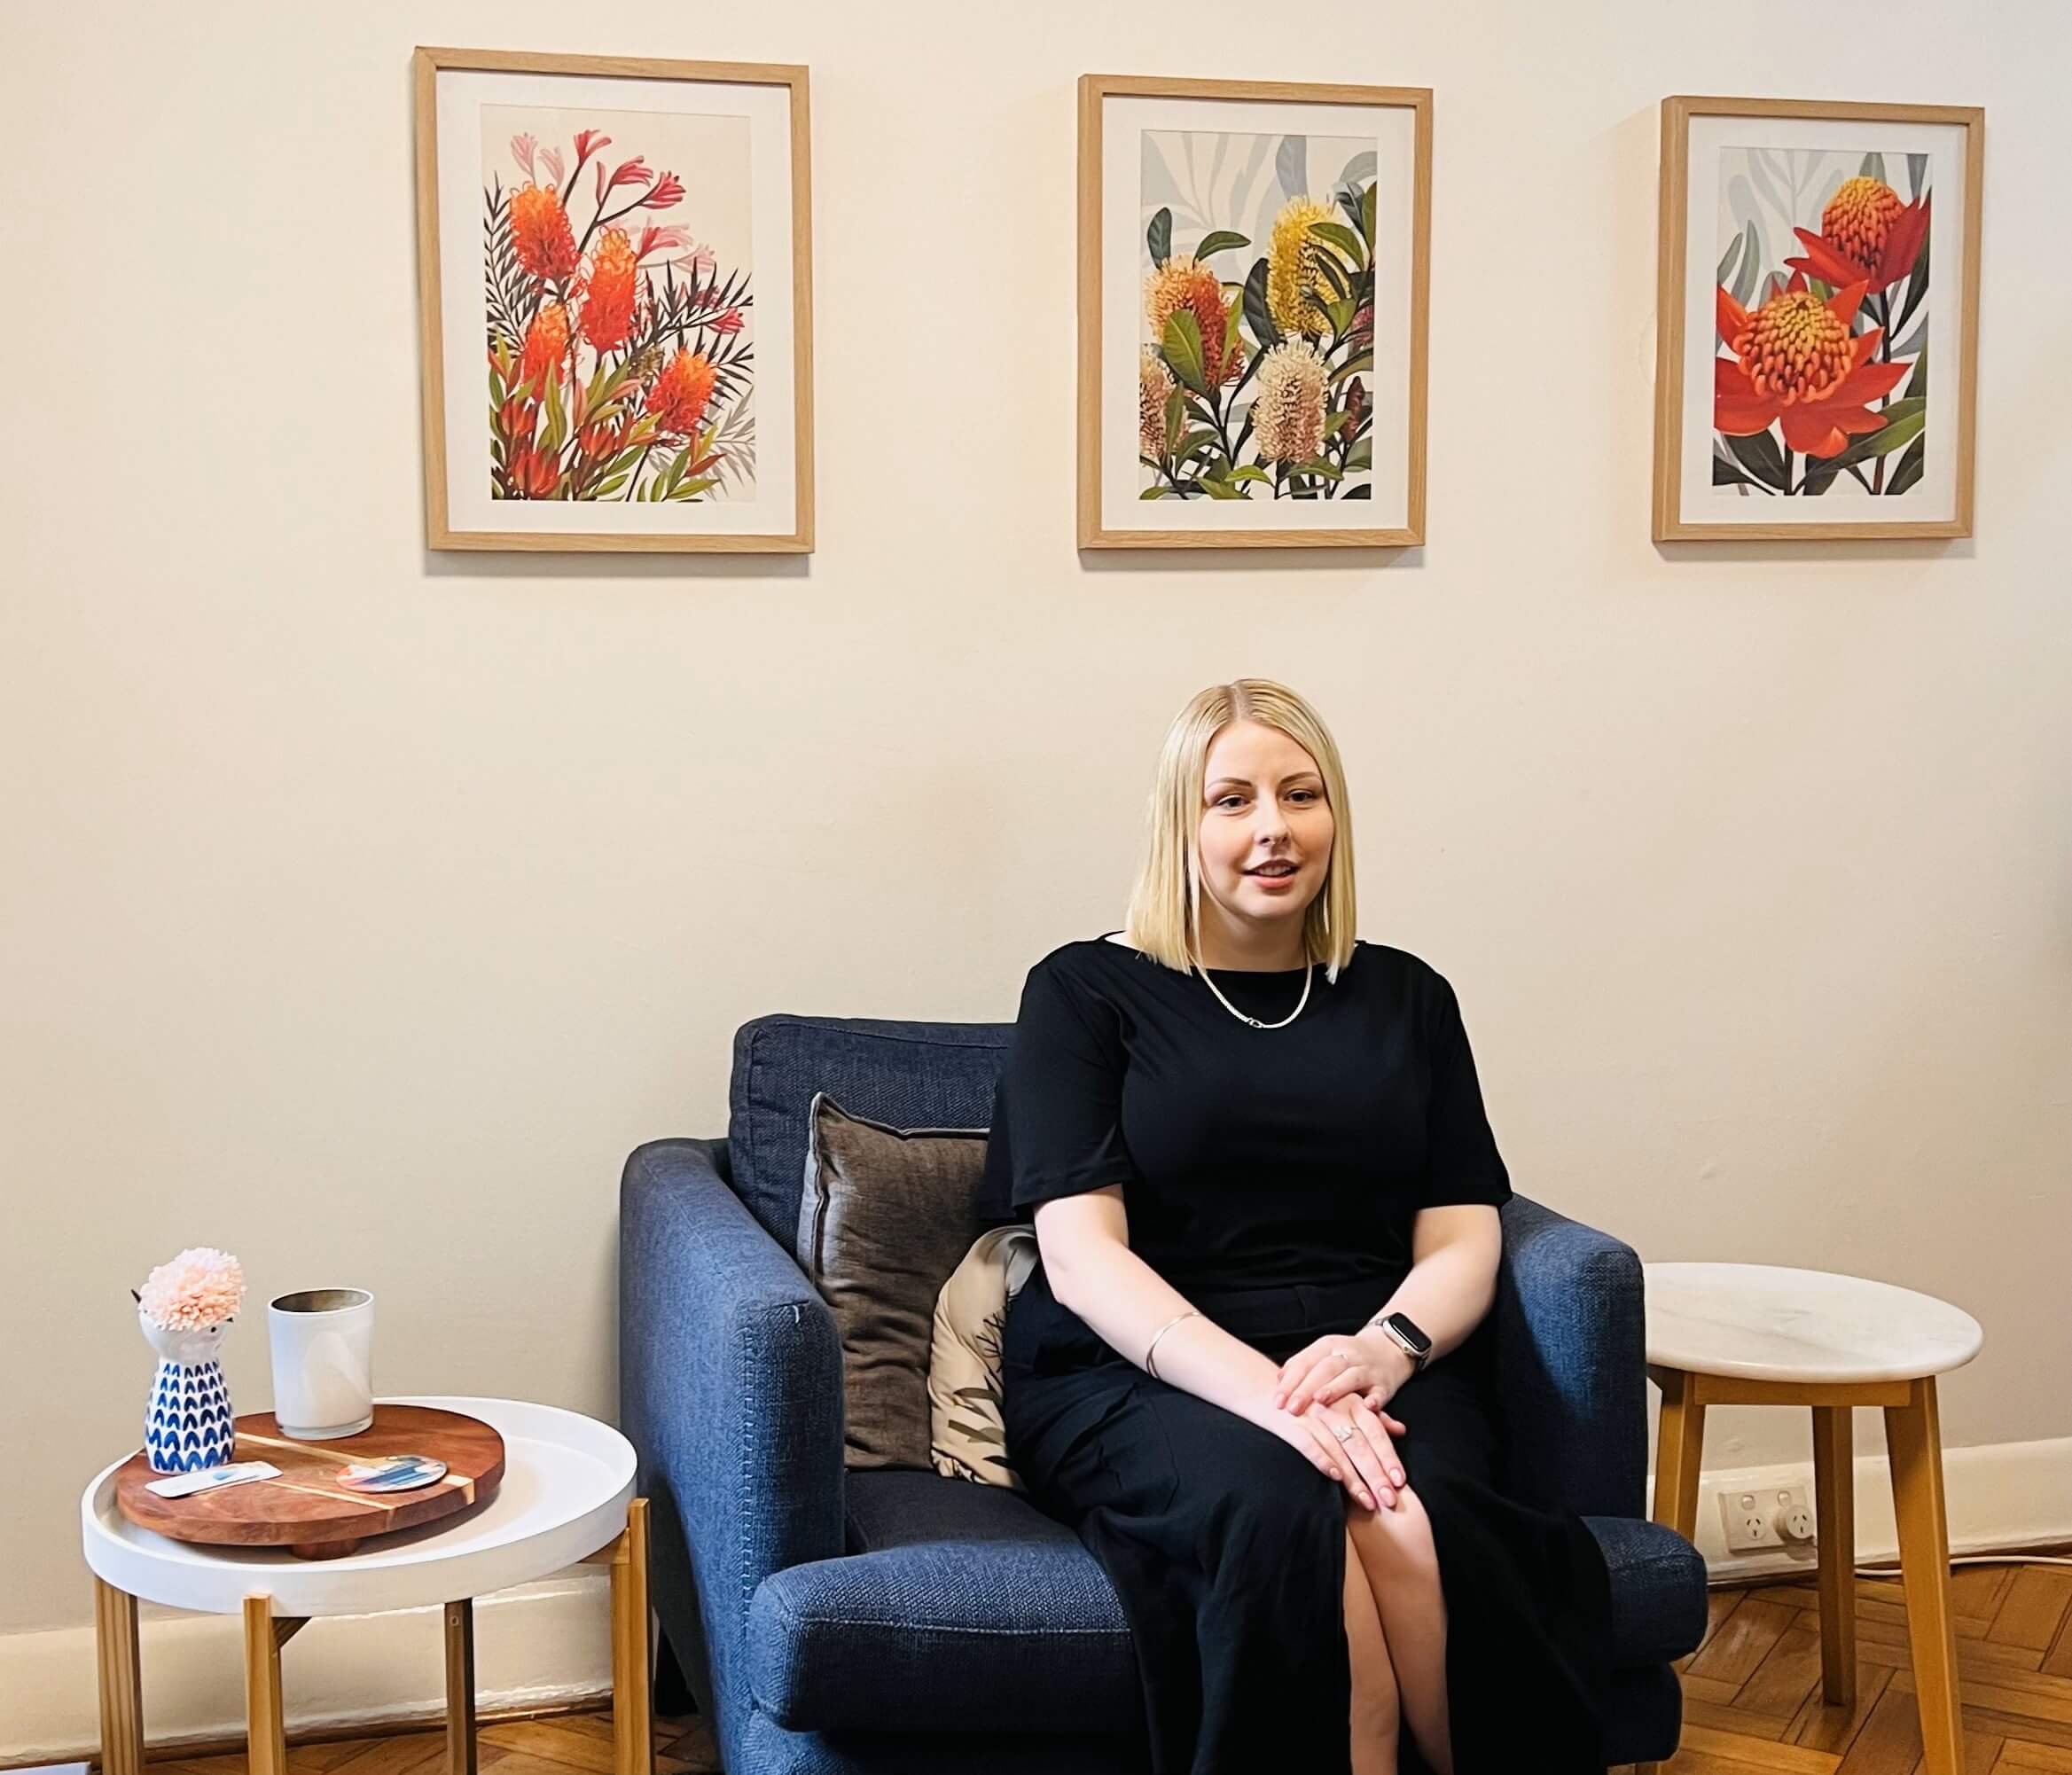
(1752, 1689)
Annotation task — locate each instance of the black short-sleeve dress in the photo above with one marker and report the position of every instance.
(1272, 1175)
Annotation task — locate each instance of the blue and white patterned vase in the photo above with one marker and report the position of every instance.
(188, 1423)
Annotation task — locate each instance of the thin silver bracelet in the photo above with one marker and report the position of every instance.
(1151, 1367)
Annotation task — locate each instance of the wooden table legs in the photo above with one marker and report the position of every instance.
(632, 1663)
(1834, 1516)
(632, 1658)
(1678, 1443)
(116, 1640)
(1913, 1437)
(266, 1740)
(460, 1687)
(115, 1648)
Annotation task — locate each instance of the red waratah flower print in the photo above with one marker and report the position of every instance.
(621, 355)
(1865, 232)
(1797, 361)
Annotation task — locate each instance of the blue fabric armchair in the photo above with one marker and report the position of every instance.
(902, 1623)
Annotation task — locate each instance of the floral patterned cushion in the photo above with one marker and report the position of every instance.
(964, 1363)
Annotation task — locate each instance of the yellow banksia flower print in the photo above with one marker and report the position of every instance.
(1294, 286)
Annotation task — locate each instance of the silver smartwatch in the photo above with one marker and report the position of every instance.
(1405, 1330)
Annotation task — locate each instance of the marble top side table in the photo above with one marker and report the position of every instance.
(1758, 1334)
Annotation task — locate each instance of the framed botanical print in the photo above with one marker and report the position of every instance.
(1817, 328)
(614, 302)
(1252, 278)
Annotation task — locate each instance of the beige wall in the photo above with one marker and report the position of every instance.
(361, 908)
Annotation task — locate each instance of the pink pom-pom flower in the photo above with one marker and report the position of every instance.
(200, 1286)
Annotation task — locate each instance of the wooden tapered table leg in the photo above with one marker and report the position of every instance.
(1834, 1511)
(265, 1728)
(1679, 1440)
(115, 1646)
(632, 1666)
(460, 1687)
(1913, 1434)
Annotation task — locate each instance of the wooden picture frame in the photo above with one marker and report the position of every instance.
(1777, 383)
(649, 359)
(1307, 197)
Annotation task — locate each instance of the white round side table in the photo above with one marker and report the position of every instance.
(1758, 1334)
(566, 1499)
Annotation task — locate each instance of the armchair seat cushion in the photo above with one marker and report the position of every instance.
(962, 1607)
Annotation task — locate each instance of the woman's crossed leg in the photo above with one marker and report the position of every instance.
(1375, 1716)
(1393, 1549)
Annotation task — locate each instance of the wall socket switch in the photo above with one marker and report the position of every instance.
(1764, 1518)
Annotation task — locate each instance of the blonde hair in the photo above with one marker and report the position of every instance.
(1165, 905)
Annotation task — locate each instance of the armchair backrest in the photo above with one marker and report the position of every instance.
(906, 1075)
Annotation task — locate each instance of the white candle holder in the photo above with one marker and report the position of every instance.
(322, 1342)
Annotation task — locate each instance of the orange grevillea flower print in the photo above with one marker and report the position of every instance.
(681, 392)
(1796, 362)
(620, 350)
(540, 233)
(546, 347)
(607, 307)
(1865, 232)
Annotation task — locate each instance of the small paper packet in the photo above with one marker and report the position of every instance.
(212, 1478)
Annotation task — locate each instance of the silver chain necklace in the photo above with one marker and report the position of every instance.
(1309, 969)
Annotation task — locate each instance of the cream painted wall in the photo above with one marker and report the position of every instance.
(362, 906)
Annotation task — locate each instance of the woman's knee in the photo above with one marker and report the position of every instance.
(1394, 1540)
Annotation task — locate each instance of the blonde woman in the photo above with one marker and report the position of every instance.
(1252, 1367)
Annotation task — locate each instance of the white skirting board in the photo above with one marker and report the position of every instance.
(550, 1643)
(541, 1644)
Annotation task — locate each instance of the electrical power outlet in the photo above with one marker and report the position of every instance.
(1762, 1518)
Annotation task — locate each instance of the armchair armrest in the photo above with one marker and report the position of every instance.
(1572, 1363)
(731, 1391)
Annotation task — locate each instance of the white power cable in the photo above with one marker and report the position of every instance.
(1978, 1560)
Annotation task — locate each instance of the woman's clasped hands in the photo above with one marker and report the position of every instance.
(1330, 1397)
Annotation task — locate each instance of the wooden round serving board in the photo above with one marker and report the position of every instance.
(305, 1510)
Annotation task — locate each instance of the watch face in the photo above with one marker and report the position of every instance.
(1412, 1335)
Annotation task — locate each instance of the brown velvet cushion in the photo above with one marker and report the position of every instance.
(886, 1214)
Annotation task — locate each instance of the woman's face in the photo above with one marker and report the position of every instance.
(1263, 802)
